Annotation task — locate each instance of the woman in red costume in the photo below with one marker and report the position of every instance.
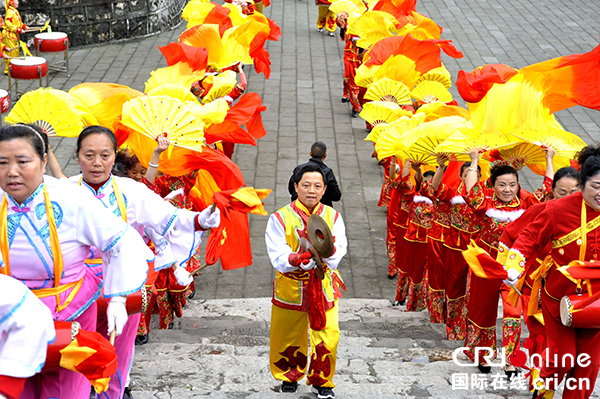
(560, 225)
(495, 207)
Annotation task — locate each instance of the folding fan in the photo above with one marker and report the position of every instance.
(425, 138)
(373, 26)
(58, 113)
(359, 4)
(420, 27)
(222, 84)
(180, 73)
(531, 155)
(565, 144)
(376, 112)
(464, 141)
(365, 75)
(388, 90)
(153, 116)
(212, 113)
(340, 6)
(399, 126)
(428, 92)
(440, 74)
(438, 110)
(390, 142)
(172, 90)
(400, 68)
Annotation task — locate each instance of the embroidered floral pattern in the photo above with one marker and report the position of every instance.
(293, 361)
(320, 364)
(415, 301)
(479, 337)
(456, 328)
(435, 306)
(391, 251)
(511, 333)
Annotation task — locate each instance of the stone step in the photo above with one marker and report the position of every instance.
(219, 349)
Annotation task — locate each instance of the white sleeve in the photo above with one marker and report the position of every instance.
(277, 246)
(125, 256)
(26, 329)
(176, 225)
(341, 244)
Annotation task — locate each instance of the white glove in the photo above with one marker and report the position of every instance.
(116, 314)
(183, 276)
(513, 277)
(209, 220)
(309, 266)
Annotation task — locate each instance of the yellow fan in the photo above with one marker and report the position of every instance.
(365, 75)
(400, 126)
(425, 138)
(181, 74)
(438, 110)
(527, 153)
(340, 6)
(212, 113)
(391, 142)
(389, 90)
(359, 4)
(565, 144)
(195, 12)
(428, 92)
(153, 116)
(58, 113)
(439, 74)
(182, 93)
(376, 112)
(222, 84)
(373, 26)
(464, 140)
(400, 68)
(421, 28)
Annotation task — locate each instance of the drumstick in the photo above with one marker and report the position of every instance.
(113, 335)
(204, 266)
(393, 168)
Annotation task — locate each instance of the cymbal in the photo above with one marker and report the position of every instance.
(319, 235)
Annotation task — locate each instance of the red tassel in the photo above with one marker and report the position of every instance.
(316, 298)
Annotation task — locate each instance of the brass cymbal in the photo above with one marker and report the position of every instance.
(319, 235)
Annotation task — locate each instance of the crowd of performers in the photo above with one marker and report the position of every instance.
(452, 187)
(156, 175)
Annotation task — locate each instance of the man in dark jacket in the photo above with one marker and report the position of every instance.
(318, 153)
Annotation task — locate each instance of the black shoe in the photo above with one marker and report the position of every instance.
(127, 393)
(345, 100)
(323, 393)
(510, 374)
(141, 339)
(192, 294)
(170, 326)
(484, 369)
(392, 276)
(400, 303)
(355, 114)
(289, 387)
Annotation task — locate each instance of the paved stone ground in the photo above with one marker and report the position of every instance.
(219, 348)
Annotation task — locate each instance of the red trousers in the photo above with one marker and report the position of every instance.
(436, 253)
(574, 341)
(417, 260)
(351, 63)
(402, 255)
(482, 315)
(456, 271)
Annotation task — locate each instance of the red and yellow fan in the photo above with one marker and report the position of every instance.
(428, 92)
(239, 18)
(213, 112)
(359, 4)
(365, 75)
(58, 113)
(339, 7)
(438, 110)
(220, 85)
(425, 138)
(390, 142)
(195, 57)
(565, 144)
(466, 139)
(196, 13)
(373, 26)
(172, 90)
(181, 74)
(421, 27)
(439, 74)
(389, 90)
(379, 112)
(153, 116)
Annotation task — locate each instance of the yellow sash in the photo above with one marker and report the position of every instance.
(56, 254)
(118, 197)
(578, 233)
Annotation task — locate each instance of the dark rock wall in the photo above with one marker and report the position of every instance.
(101, 21)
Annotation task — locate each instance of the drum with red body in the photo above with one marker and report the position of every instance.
(587, 317)
(66, 332)
(51, 42)
(136, 303)
(4, 101)
(28, 68)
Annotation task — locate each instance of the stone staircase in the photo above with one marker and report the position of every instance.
(220, 349)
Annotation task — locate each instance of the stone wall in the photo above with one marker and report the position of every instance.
(100, 21)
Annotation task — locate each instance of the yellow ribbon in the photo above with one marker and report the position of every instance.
(119, 197)
(56, 254)
(25, 49)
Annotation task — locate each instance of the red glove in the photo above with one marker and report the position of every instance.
(295, 259)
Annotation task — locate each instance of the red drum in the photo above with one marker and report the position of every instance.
(588, 317)
(136, 303)
(66, 332)
(4, 101)
(28, 68)
(51, 42)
